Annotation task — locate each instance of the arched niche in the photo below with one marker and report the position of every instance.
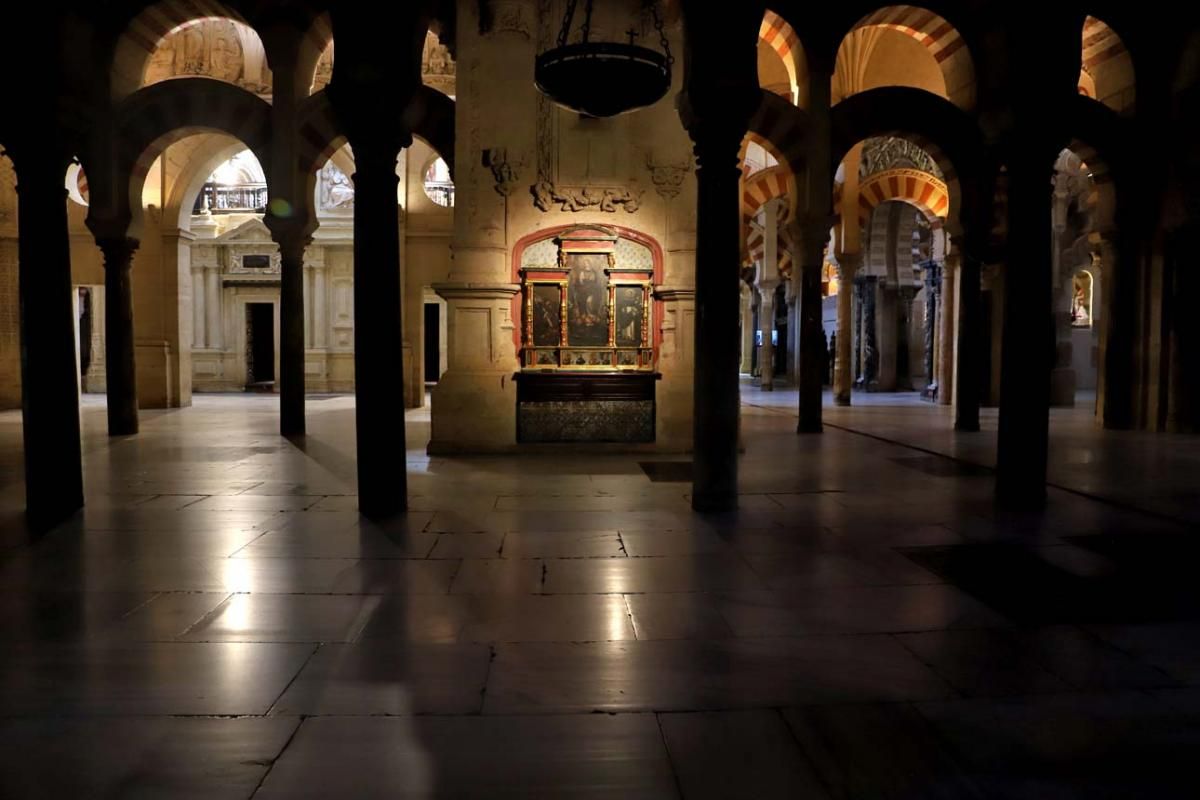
(172, 39)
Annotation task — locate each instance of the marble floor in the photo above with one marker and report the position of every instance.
(220, 623)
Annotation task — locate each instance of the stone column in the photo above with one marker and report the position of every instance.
(933, 282)
(766, 324)
(747, 329)
(813, 234)
(1183, 332)
(121, 371)
(718, 253)
(1118, 261)
(870, 338)
(291, 331)
(49, 374)
(1028, 349)
(968, 394)
(843, 371)
(199, 339)
(378, 339)
(290, 217)
(793, 332)
(310, 288)
(320, 322)
(859, 357)
(676, 361)
(905, 296)
(214, 333)
(887, 317)
(945, 356)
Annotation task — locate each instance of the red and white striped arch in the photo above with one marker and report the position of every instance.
(764, 186)
(778, 34)
(940, 38)
(756, 249)
(1106, 73)
(920, 189)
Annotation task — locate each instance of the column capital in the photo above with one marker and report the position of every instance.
(118, 251)
(848, 265)
(810, 232)
(292, 234)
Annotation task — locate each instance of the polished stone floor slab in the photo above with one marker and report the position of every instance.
(389, 677)
(286, 618)
(118, 679)
(619, 757)
(735, 754)
(148, 758)
(866, 625)
(730, 673)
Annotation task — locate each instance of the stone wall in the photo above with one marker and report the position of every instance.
(524, 166)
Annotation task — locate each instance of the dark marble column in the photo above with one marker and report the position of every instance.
(813, 234)
(843, 369)
(1119, 267)
(291, 334)
(870, 346)
(378, 338)
(718, 250)
(290, 216)
(1183, 327)
(50, 379)
(970, 345)
(860, 296)
(812, 342)
(120, 365)
(1028, 351)
(932, 281)
(904, 381)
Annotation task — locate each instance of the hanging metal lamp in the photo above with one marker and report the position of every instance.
(603, 79)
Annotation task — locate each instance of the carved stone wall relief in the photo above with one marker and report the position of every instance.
(505, 170)
(583, 198)
(668, 177)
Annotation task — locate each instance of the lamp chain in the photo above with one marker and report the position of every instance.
(587, 21)
(566, 26)
(662, 35)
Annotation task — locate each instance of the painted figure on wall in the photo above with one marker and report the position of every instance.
(547, 315)
(630, 310)
(587, 306)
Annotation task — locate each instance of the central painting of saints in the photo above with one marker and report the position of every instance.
(587, 300)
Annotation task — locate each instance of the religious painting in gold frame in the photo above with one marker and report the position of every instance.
(585, 312)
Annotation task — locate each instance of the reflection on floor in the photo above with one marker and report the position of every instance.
(220, 623)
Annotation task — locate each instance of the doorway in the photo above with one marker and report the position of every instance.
(260, 346)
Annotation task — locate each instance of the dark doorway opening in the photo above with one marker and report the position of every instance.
(433, 342)
(260, 345)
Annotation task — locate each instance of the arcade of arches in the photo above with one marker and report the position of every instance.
(953, 210)
(902, 217)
